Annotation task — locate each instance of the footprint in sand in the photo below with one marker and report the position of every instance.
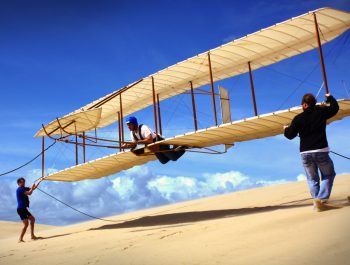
(172, 234)
(126, 248)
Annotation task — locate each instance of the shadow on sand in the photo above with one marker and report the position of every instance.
(54, 236)
(196, 216)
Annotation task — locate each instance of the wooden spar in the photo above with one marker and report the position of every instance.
(76, 150)
(212, 89)
(252, 88)
(154, 108)
(159, 116)
(119, 133)
(84, 149)
(121, 118)
(95, 139)
(42, 156)
(194, 108)
(113, 95)
(321, 54)
(59, 127)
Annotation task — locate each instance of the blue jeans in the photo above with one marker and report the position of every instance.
(314, 162)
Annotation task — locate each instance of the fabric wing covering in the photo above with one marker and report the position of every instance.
(72, 124)
(262, 48)
(266, 125)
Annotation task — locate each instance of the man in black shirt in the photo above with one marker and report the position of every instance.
(314, 150)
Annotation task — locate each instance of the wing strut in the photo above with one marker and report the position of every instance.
(321, 54)
(42, 156)
(252, 88)
(159, 117)
(212, 89)
(154, 108)
(194, 108)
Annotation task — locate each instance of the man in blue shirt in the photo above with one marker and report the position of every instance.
(22, 194)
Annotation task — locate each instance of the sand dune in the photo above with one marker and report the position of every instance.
(10, 229)
(271, 225)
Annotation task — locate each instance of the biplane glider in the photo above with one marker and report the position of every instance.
(262, 48)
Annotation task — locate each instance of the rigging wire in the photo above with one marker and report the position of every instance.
(301, 83)
(346, 38)
(345, 87)
(58, 153)
(304, 80)
(319, 91)
(290, 76)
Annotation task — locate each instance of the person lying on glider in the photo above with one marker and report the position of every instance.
(142, 134)
(22, 194)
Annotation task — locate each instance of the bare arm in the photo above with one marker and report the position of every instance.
(34, 186)
(147, 140)
(129, 145)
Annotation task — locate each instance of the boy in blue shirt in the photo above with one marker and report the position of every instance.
(22, 194)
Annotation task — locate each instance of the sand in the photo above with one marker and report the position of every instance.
(270, 225)
(9, 229)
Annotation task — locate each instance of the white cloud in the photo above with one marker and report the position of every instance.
(185, 188)
(271, 182)
(301, 177)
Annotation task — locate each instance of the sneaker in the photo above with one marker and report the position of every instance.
(320, 206)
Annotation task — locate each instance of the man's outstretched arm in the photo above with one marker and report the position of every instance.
(147, 140)
(34, 186)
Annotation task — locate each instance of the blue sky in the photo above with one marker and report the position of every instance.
(56, 56)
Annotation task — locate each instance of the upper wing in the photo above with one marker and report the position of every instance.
(72, 124)
(243, 130)
(262, 48)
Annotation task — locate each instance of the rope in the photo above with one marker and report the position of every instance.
(27, 163)
(103, 219)
(75, 209)
(340, 155)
